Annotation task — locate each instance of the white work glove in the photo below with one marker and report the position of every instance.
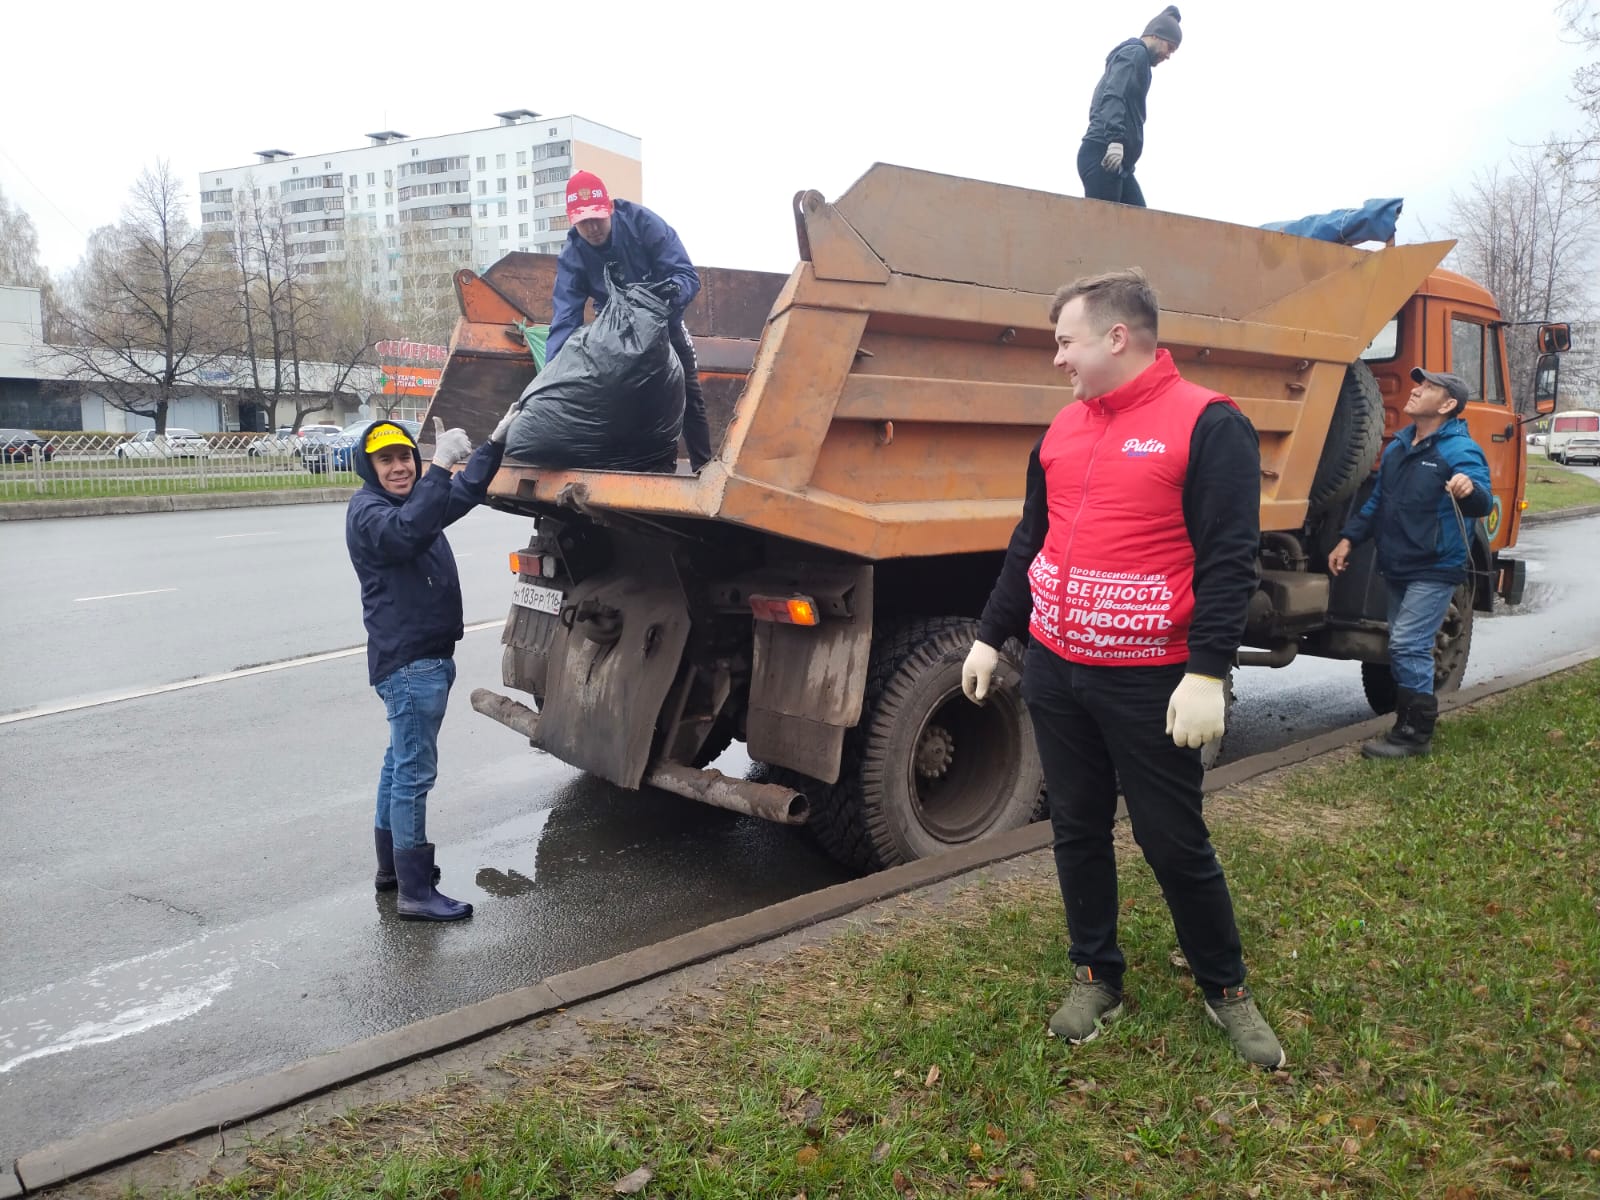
(1113, 159)
(1196, 711)
(978, 671)
(502, 429)
(450, 446)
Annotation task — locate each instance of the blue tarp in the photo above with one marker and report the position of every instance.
(1374, 221)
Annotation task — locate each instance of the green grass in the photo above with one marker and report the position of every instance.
(160, 485)
(1551, 488)
(1424, 936)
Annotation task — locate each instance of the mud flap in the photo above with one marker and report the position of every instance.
(611, 663)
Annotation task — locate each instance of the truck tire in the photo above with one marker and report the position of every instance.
(1452, 646)
(926, 770)
(1355, 435)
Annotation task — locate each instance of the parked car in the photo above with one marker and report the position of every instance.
(341, 446)
(175, 443)
(275, 445)
(23, 445)
(1574, 437)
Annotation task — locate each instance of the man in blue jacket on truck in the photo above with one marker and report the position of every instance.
(646, 250)
(1433, 482)
(411, 606)
(1115, 137)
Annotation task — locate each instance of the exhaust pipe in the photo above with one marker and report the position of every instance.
(769, 801)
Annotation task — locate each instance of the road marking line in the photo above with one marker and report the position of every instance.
(120, 595)
(203, 680)
(263, 533)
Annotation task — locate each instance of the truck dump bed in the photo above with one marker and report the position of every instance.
(881, 400)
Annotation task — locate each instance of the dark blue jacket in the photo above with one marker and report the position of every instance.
(1413, 518)
(646, 249)
(1116, 111)
(410, 592)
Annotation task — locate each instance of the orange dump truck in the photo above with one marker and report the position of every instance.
(813, 591)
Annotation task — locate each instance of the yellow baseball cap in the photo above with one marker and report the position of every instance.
(387, 435)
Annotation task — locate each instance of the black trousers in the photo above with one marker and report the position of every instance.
(696, 430)
(1100, 184)
(1094, 726)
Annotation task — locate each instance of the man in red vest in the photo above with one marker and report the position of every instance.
(1131, 569)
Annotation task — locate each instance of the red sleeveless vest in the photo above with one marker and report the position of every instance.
(1113, 584)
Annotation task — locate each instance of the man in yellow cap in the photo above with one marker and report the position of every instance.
(411, 605)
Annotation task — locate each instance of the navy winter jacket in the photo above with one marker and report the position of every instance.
(410, 592)
(1116, 112)
(646, 249)
(1412, 516)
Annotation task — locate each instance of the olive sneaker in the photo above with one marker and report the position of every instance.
(1089, 1005)
(1246, 1028)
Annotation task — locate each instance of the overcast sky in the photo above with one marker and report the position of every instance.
(1269, 111)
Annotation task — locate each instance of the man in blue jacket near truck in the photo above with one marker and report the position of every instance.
(1433, 482)
(646, 250)
(411, 606)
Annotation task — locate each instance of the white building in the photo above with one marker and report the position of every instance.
(477, 194)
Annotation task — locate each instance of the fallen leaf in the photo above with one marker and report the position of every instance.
(880, 1152)
(1460, 1192)
(807, 1155)
(1592, 1154)
(977, 1184)
(933, 1077)
(1253, 1192)
(1324, 1118)
(1131, 1157)
(975, 1152)
(1222, 1119)
(633, 1184)
(1029, 1182)
(900, 1183)
(1351, 1146)
(1556, 735)
(996, 1135)
(1365, 1126)
(1571, 1041)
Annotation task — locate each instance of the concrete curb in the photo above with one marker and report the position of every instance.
(10, 1185)
(112, 506)
(212, 1111)
(1561, 514)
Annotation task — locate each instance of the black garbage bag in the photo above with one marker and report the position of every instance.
(612, 398)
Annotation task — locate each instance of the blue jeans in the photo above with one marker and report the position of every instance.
(1416, 610)
(414, 697)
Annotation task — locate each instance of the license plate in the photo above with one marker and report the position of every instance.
(540, 599)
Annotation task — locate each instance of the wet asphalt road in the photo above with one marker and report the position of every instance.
(187, 892)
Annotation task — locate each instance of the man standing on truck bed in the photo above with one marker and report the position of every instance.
(1115, 138)
(411, 606)
(647, 250)
(1432, 479)
(1132, 569)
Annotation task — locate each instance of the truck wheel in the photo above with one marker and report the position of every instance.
(1452, 645)
(1355, 435)
(926, 770)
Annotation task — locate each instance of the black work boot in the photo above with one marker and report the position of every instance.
(384, 880)
(419, 900)
(1412, 735)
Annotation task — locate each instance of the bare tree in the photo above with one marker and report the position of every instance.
(143, 320)
(19, 260)
(1527, 231)
(1581, 25)
(275, 308)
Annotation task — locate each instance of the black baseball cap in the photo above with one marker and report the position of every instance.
(1453, 384)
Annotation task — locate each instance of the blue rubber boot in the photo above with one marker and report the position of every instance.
(419, 900)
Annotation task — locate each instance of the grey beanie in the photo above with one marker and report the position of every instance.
(1165, 25)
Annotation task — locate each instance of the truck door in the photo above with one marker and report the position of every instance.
(1476, 355)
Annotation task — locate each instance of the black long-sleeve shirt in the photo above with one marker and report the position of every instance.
(1222, 511)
